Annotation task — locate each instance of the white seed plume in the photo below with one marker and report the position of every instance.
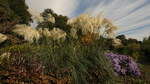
(3, 37)
(55, 33)
(89, 24)
(51, 18)
(109, 28)
(44, 32)
(117, 42)
(27, 32)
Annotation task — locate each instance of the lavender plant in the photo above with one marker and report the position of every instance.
(124, 65)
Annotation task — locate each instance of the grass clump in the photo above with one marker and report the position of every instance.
(67, 61)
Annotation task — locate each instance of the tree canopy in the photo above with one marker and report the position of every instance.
(60, 21)
(13, 12)
(19, 7)
(7, 16)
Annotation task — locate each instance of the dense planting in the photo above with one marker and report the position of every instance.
(60, 50)
(124, 65)
(70, 60)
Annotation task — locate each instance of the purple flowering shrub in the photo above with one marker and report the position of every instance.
(124, 65)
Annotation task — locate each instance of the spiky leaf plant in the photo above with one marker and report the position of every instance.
(69, 59)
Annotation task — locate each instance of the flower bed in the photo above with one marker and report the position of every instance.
(124, 65)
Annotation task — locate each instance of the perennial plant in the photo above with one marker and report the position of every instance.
(124, 65)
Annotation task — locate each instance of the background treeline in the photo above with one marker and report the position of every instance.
(139, 50)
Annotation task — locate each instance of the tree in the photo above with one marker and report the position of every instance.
(134, 50)
(123, 39)
(7, 17)
(131, 47)
(13, 12)
(20, 9)
(146, 48)
(60, 21)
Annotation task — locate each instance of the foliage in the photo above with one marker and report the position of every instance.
(7, 17)
(130, 47)
(80, 64)
(52, 20)
(69, 61)
(146, 49)
(11, 13)
(19, 7)
(79, 59)
(139, 50)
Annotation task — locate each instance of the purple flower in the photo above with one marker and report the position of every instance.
(123, 65)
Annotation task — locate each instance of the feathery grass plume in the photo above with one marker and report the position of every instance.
(27, 32)
(89, 24)
(73, 33)
(44, 32)
(2, 37)
(117, 42)
(85, 23)
(55, 33)
(51, 18)
(109, 28)
(37, 16)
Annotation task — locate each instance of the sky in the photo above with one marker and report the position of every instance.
(131, 16)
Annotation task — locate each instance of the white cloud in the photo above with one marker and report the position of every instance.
(126, 14)
(65, 7)
(139, 34)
